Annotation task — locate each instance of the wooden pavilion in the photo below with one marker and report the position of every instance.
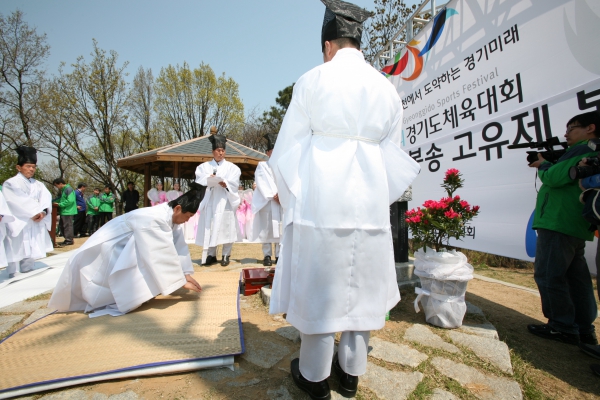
(181, 159)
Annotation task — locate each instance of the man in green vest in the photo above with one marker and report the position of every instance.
(93, 212)
(107, 202)
(67, 208)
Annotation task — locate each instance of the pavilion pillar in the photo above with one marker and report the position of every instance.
(147, 183)
(176, 178)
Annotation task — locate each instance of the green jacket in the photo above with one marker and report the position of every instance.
(557, 206)
(107, 202)
(67, 203)
(93, 202)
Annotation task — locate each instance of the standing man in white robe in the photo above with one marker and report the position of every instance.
(218, 223)
(31, 205)
(338, 167)
(130, 260)
(5, 217)
(266, 208)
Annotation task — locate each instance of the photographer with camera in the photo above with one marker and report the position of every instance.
(561, 271)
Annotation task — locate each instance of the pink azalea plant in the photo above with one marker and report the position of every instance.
(437, 221)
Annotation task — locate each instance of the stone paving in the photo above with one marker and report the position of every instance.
(395, 370)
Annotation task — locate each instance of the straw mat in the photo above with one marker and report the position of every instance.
(181, 327)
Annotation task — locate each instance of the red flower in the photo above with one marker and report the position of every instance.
(475, 208)
(464, 203)
(451, 173)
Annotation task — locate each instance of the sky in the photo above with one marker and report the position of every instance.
(264, 45)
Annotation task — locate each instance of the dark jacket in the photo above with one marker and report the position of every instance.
(80, 201)
(130, 198)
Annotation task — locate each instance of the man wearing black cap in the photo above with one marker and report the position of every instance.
(338, 166)
(218, 223)
(31, 204)
(129, 260)
(266, 208)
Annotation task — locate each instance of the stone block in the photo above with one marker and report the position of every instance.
(24, 306)
(265, 294)
(218, 374)
(395, 353)
(390, 385)
(264, 353)
(423, 335)
(439, 394)
(37, 314)
(289, 332)
(491, 350)
(486, 330)
(483, 386)
(8, 321)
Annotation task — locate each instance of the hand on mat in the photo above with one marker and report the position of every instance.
(191, 284)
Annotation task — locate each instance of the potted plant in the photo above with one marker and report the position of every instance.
(444, 274)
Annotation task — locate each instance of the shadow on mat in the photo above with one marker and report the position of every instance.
(565, 362)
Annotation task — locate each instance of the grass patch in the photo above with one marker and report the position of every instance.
(43, 296)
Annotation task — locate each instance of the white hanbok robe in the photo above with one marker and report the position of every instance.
(267, 212)
(128, 261)
(338, 166)
(6, 218)
(218, 223)
(27, 239)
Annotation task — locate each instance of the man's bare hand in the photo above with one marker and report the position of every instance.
(276, 198)
(223, 185)
(38, 217)
(536, 164)
(191, 284)
(79, 207)
(0, 218)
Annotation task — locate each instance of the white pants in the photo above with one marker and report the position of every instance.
(316, 354)
(266, 248)
(212, 251)
(25, 264)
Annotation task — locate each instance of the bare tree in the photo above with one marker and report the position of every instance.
(23, 54)
(389, 16)
(142, 107)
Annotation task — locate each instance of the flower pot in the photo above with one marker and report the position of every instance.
(444, 277)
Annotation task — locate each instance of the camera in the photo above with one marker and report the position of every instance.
(592, 165)
(550, 154)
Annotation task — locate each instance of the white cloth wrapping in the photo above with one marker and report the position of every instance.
(266, 227)
(25, 238)
(128, 261)
(218, 222)
(338, 166)
(6, 218)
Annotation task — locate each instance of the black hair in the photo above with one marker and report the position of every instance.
(587, 119)
(58, 181)
(80, 185)
(129, 183)
(106, 186)
(190, 201)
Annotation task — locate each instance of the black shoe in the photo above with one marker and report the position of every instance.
(67, 243)
(590, 350)
(276, 259)
(545, 331)
(348, 383)
(595, 369)
(267, 261)
(316, 390)
(210, 260)
(225, 261)
(588, 338)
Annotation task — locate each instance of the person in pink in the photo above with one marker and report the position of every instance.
(157, 195)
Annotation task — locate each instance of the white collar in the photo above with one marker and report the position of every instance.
(30, 180)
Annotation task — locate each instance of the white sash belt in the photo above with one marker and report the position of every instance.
(440, 297)
(339, 136)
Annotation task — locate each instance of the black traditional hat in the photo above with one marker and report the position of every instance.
(190, 200)
(342, 20)
(218, 141)
(271, 139)
(26, 155)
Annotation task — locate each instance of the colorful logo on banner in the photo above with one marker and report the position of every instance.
(401, 61)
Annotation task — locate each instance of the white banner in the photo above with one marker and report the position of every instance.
(485, 75)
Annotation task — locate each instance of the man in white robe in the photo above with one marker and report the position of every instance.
(338, 167)
(5, 217)
(218, 221)
(31, 205)
(266, 208)
(130, 260)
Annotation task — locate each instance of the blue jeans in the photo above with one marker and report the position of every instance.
(564, 282)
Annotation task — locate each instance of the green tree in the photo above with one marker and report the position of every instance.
(273, 118)
(189, 101)
(388, 18)
(23, 54)
(142, 109)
